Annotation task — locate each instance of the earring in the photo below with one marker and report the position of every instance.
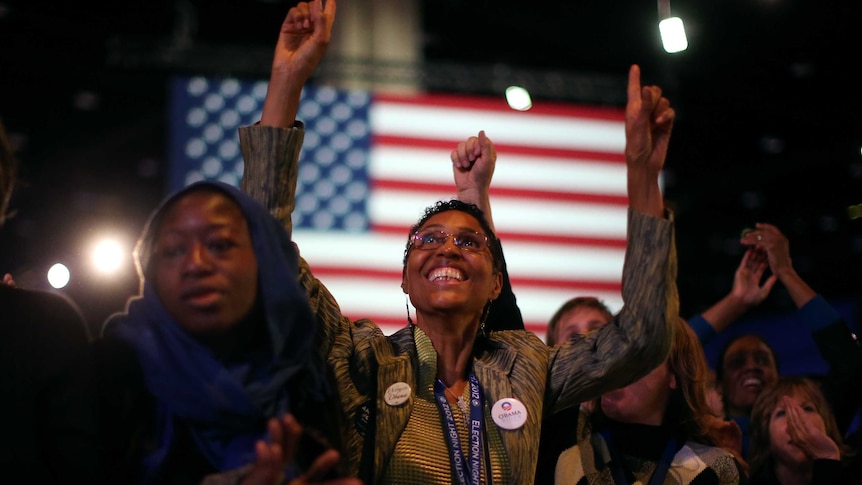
(485, 313)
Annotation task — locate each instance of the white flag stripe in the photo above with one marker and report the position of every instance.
(534, 261)
(511, 214)
(517, 171)
(515, 128)
(363, 297)
(560, 175)
(576, 263)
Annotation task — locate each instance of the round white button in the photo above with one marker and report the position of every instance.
(397, 394)
(509, 413)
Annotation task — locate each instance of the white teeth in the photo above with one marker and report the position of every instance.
(445, 274)
(751, 381)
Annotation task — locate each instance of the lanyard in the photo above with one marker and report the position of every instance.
(661, 467)
(456, 454)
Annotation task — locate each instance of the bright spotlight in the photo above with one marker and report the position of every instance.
(108, 256)
(673, 35)
(58, 276)
(518, 98)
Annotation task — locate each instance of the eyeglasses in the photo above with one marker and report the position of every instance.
(466, 240)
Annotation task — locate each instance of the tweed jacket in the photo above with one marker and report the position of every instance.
(509, 364)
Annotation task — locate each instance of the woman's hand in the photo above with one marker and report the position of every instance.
(649, 121)
(273, 456)
(302, 41)
(747, 286)
(473, 163)
(303, 38)
(806, 435)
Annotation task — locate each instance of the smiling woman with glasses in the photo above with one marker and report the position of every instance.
(441, 401)
(427, 237)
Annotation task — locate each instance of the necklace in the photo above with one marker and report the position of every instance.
(462, 404)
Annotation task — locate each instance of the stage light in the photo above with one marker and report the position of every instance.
(58, 276)
(672, 29)
(518, 98)
(108, 256)
(673, 35)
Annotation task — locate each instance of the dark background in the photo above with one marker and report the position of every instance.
(767, 96)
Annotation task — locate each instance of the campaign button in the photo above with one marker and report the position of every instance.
(509, 413)
(397, 394)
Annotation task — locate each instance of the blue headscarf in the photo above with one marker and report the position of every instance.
(225, 406)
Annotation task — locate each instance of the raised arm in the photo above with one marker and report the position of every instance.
(638, 338)
(271, 155)
(302, 41)
(473, 164)
(834, 339)
(271, 149)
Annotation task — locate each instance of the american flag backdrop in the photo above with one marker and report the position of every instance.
(371, 163)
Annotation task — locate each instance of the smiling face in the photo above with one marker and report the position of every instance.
(748, 367)
(204, 266)
(450, 279)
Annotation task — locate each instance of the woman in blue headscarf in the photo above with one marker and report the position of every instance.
(221, 341)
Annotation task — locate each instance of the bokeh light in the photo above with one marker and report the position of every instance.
(58, 276)
(108, 256)
(518, 98)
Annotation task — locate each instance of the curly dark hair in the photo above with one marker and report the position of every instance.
(457, 205)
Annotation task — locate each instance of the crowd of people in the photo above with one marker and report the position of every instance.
(235, 365)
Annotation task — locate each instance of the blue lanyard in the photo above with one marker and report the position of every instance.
(661, 467)
(456, 454)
